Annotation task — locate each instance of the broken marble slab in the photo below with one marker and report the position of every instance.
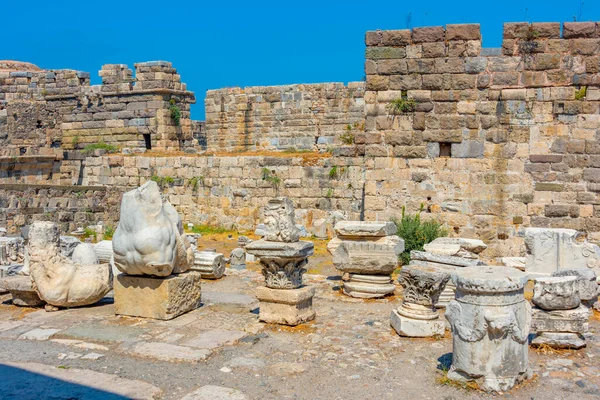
(364, 229)
(266, 249)
(22, 291)
(68, 245)
(514, 262)
(574, 321)
(556, 293)
(365, 258)
(395, 242)
(458, 247)
(209, 263)
(448, 260)
(587, 282)
(85, 254)
(550, 250)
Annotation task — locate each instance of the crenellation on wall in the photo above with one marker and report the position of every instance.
(59, 109)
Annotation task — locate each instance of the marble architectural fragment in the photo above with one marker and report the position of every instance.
(556, 293)
(550, 250)
(237, 258)
(589, 290)
(22, 291)
(417, 315)
(490, 322)
(440, 260)
(367, 254)
(68, 245)
(85, 254)
(457, 247)
(559, 319)
(284, 299)
(210, 264)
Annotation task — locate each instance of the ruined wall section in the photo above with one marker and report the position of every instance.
(493, 140)
(303, 117)
(46, 112)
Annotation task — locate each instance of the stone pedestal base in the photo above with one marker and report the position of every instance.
(559, 340)
(416, 327)
(21, 290)
(490, 384)
(286, 306)
(158, 298)
(368, 286)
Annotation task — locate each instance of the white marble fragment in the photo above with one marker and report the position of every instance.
(149, 238)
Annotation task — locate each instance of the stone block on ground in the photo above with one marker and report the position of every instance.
(416, 327)
(560, 340)
(364, 229)
(166, 352)
(211, 392)
(458, 247)
(286, 306)
(158, 298)
(21, 290)
(231, 302)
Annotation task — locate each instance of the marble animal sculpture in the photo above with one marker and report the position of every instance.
(58, 280)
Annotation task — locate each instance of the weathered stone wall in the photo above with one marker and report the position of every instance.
(69, 206)
(487, 141)
(41, 111)
(303, 117)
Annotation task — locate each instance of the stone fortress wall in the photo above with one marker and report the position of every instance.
(303, 117)
(487, 140)
(48, 111)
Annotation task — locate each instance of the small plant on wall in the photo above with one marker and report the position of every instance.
(271, 177)
(347, 137)
(402, 105)
(175, 112)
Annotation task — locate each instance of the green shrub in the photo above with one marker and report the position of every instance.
(109, 231)
(90, 233)
(196, 182)
(109, 148)
(401, 105)
(208, 229)
(175, 112)
(271, 177)
(581, 93)
(416, 233)
(333, 172)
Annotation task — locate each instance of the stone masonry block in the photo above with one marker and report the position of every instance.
(158, 298)
(286, 306)
(396, 38)
(463, 32)
(573, 30)
(428, 34)
(549, 30)
(373, 38)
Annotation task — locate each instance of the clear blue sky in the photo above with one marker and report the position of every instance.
(216, 44)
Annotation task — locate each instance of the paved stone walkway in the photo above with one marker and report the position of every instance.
(221, 351)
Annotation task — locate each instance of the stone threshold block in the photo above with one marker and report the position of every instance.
(410, 327)
(285, 306)
(157, 297)
(368, 286)
(21, 290)
(560, 340)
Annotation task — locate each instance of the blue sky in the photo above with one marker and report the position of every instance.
(244, 43)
